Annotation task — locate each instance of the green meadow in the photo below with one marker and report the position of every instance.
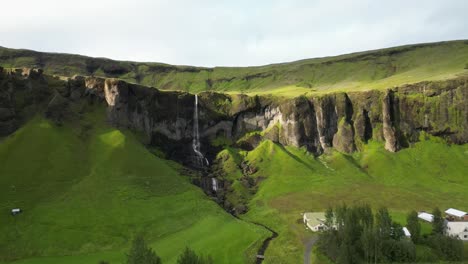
(428, 174)
(86, 194)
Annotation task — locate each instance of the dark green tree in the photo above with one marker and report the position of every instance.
(140, 253)
(414, 227)
(397, 231)
(438, 223)
(368, 244)
(366, 215)
(188, 256)
(384, 223)
(329, 218)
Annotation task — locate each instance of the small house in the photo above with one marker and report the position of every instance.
(15, 211)
(315, 221)
(407, 232)
(426, 217)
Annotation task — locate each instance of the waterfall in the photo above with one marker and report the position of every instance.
(214, 184)
(200, 159)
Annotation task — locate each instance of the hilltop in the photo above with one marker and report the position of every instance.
(375, 69)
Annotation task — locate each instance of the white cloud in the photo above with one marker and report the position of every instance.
(210, 32)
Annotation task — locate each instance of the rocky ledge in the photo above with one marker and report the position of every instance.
(344, 121)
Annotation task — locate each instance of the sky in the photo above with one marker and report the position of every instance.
(226, 33)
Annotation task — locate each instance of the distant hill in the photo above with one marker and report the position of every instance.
(357, 71)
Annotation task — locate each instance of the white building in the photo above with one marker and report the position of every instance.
(457, 229)
(407, 232)
(315, 221)
(15, 211)
(456, 223)
(426, 217)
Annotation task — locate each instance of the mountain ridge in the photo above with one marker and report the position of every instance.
(378, 69)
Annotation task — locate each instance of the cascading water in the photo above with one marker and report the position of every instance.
(214, 184)
(200, 160)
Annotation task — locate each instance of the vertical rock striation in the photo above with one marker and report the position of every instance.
(344, 121)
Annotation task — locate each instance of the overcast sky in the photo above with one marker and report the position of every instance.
(228, 33)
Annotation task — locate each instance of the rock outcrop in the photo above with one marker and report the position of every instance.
(344, 121)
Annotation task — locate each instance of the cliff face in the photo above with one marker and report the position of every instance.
(21, 93)
(344, 121)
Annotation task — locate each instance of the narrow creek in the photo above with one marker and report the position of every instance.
(201, 161)
(266, 242)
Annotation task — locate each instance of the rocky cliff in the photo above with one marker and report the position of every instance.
(344, 121)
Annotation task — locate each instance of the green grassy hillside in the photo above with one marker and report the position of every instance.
(365, 70)
(86, 193)
(429, 174)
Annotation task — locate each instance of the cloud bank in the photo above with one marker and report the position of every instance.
(226, 33)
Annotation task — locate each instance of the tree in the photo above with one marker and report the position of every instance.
(329, 218)
(188, 256)
(365, 213)
(414, 227)
(368, 243)
(397, 231)
(450, 248)
(438, 224)
(384, 222)
(140, 253)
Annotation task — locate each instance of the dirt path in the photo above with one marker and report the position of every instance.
(308, 248)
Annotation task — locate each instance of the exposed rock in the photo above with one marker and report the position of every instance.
(343, 121)
(57, 109)
(389, 122)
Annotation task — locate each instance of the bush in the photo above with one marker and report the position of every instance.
(140, 253)
(448, 248)
(189, 256)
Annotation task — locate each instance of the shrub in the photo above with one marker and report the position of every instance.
(140, 253)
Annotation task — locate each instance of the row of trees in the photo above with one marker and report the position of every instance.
(360, 236)
(443, 246)
(141, 253)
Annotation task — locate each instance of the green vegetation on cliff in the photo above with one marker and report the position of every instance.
(364, 70)
(86, 194)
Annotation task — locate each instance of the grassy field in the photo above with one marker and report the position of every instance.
(376, 69)
(430, 173)
(86, 193)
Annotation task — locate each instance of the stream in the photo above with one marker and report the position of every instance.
(201, 162)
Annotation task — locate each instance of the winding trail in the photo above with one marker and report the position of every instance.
(308, 249)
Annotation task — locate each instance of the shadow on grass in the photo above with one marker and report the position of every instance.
(296, 158)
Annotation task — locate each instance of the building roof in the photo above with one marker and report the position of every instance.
(406, 231)
(455, 212)
(426, 216)
(315, 218)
